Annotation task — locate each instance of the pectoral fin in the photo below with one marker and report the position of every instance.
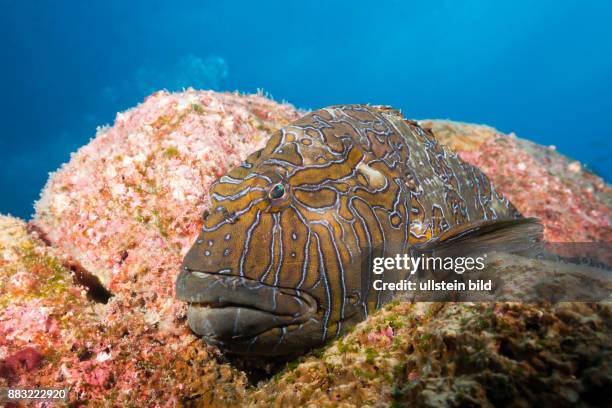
(522, 236)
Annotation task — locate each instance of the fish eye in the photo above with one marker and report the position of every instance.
(278, 191)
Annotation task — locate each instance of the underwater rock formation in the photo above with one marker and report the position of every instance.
(457, 354)
(136, 193)
(53, 335)
(573, 203)
(87, 286)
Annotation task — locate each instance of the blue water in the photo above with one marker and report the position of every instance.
(542, 69)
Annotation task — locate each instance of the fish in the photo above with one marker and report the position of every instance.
(283, 263)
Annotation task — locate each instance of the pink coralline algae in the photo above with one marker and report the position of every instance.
(381, 338)
(124, 210)
(573, 204)
(25, 360)
(135, 194)
(87, 286)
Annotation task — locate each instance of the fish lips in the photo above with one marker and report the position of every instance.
(229, 307)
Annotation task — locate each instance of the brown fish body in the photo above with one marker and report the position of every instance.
(284, 259)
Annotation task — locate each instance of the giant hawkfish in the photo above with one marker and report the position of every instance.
(284, 259)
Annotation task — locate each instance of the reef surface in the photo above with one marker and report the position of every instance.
(87, 286)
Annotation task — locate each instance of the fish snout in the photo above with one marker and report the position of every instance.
(227, 309)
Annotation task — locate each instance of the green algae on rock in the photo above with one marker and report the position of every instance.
(458, 354)
(52, 335)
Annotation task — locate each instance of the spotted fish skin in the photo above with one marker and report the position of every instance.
(304, 216)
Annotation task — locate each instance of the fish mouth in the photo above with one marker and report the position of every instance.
(226, 308)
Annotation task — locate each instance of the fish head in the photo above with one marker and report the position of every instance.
(281, 263)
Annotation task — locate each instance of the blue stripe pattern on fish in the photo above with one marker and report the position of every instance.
(284, 259)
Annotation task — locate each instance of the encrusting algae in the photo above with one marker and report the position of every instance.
(123, 210)
(52, 335)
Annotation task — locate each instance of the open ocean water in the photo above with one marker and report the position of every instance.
(542, 69)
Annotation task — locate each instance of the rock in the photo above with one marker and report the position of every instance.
(52, 335)
(130, 201)
(87, 287)
(457, 354)
(573, 203)
(119, 217)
